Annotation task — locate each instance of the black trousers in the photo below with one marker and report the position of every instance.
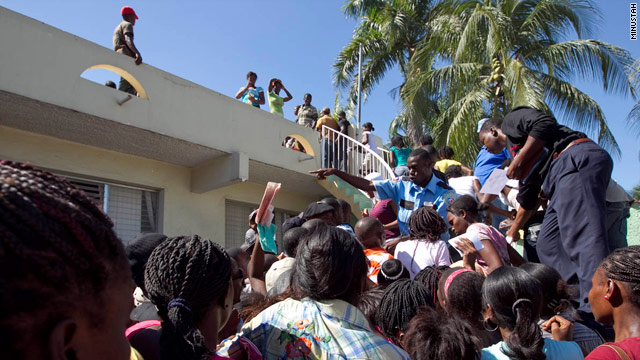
(573, 237)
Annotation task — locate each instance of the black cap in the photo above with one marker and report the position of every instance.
(138, 251)
(316, 208)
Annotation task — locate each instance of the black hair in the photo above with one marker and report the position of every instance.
(623, 265)
(56, 247)
(432, 151)
(426, 140)
(235, 253)
(466, 203)
(556, 294)
(515, 298)
(397, 141)
(390, 271)
(195, 272)
(432, 335)
(305, 95)
(422, 154)
(453, 171)
(429, 277)
(110, 84)
(334, 203)
(426, 224)
(138, 251)
(330, 264)
(290, 240)
(491, 123)
(401, 302)
(462, 296)
(269, 259)
(346, 208)
(369, 302)
(446, 152)
(313, 226)
(251, 73)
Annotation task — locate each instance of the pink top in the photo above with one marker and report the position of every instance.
(631, 346)
(486, 232)
(382, 211)
(416, 255)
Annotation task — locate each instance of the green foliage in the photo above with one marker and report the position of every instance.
(635, 192)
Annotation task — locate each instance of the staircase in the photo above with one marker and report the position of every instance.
(361, 161)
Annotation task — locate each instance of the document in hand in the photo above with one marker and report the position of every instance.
(471, 236)
(496, 181)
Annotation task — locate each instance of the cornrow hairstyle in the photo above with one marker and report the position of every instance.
(556, 295)
(429, 277)
(426, 224)
(432, 335)
(330, 264)
(399, 304)
(56, 247)
(390, 271)
(491, 123)
(515, 298)
(623, 265)
(192, 269)
(466, 203)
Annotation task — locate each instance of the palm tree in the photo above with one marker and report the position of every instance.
(389, 32)
(487, 57)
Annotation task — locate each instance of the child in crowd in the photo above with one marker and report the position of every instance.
(66, 285)
(429, 277)
(399, 304)
(425, 249)
(433, 335)
(290, 241)
(446, 160)
(458, 292)
(370, 233)
(463, 185)
(615, 300)
(462, 214)
(188, 278)
(556, 301)
(399, 155)
(511, 300)
(391, 271)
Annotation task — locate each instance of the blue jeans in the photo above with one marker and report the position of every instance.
(401, 171)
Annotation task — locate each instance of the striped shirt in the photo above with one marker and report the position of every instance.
(312, 329)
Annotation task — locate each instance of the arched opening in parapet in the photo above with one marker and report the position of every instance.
(104, 73)
(299, 143)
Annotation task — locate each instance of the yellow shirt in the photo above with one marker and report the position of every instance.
(327, 121)
(442, 165)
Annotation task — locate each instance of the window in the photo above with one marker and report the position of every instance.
(132, 210)
(237, 222)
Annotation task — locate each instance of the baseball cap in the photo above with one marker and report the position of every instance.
(127, 10)
(316, 208)
(481, 123)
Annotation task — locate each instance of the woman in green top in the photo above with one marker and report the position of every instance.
(275, 100)
(400, 152)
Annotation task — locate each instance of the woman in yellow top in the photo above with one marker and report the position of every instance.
(446, 155)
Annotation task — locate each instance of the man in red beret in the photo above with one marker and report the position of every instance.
(123, 43)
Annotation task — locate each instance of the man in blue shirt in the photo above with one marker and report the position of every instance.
(420, 188)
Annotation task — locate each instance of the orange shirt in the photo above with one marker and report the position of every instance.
(376, 257)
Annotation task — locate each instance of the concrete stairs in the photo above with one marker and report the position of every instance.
(340, 189)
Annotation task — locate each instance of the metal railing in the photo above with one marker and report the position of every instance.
(347, 154)
(386, 154)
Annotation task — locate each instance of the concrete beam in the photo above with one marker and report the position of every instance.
(220, 172)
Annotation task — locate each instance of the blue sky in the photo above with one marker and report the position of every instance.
(214, 43)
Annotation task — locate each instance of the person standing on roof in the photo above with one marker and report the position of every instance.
(307, 114)
(342, 141)
(123, 43)
(328, 138)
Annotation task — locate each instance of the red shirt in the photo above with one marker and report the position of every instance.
(383, 212)
(631, 346)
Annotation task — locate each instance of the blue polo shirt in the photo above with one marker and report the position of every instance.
(486, 162)
(409, 197)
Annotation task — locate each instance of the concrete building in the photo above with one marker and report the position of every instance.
(177, 159)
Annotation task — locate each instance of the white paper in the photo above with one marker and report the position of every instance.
(496, 181)
(471, 236)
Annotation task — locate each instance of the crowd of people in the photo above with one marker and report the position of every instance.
(426, 273)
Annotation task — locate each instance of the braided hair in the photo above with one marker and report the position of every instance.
(401, 302)
(429, 277)
(515, 298)
(56, 247)
(426, 223)
(192, 274)
(623, 265)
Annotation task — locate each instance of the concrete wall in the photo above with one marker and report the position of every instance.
(45, 64)
(182, 211)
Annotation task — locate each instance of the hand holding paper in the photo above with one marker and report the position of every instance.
(496, 181)
(458, 243)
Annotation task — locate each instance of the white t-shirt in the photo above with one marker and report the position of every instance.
(416, 255)
(463, 185)
(372, 141)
